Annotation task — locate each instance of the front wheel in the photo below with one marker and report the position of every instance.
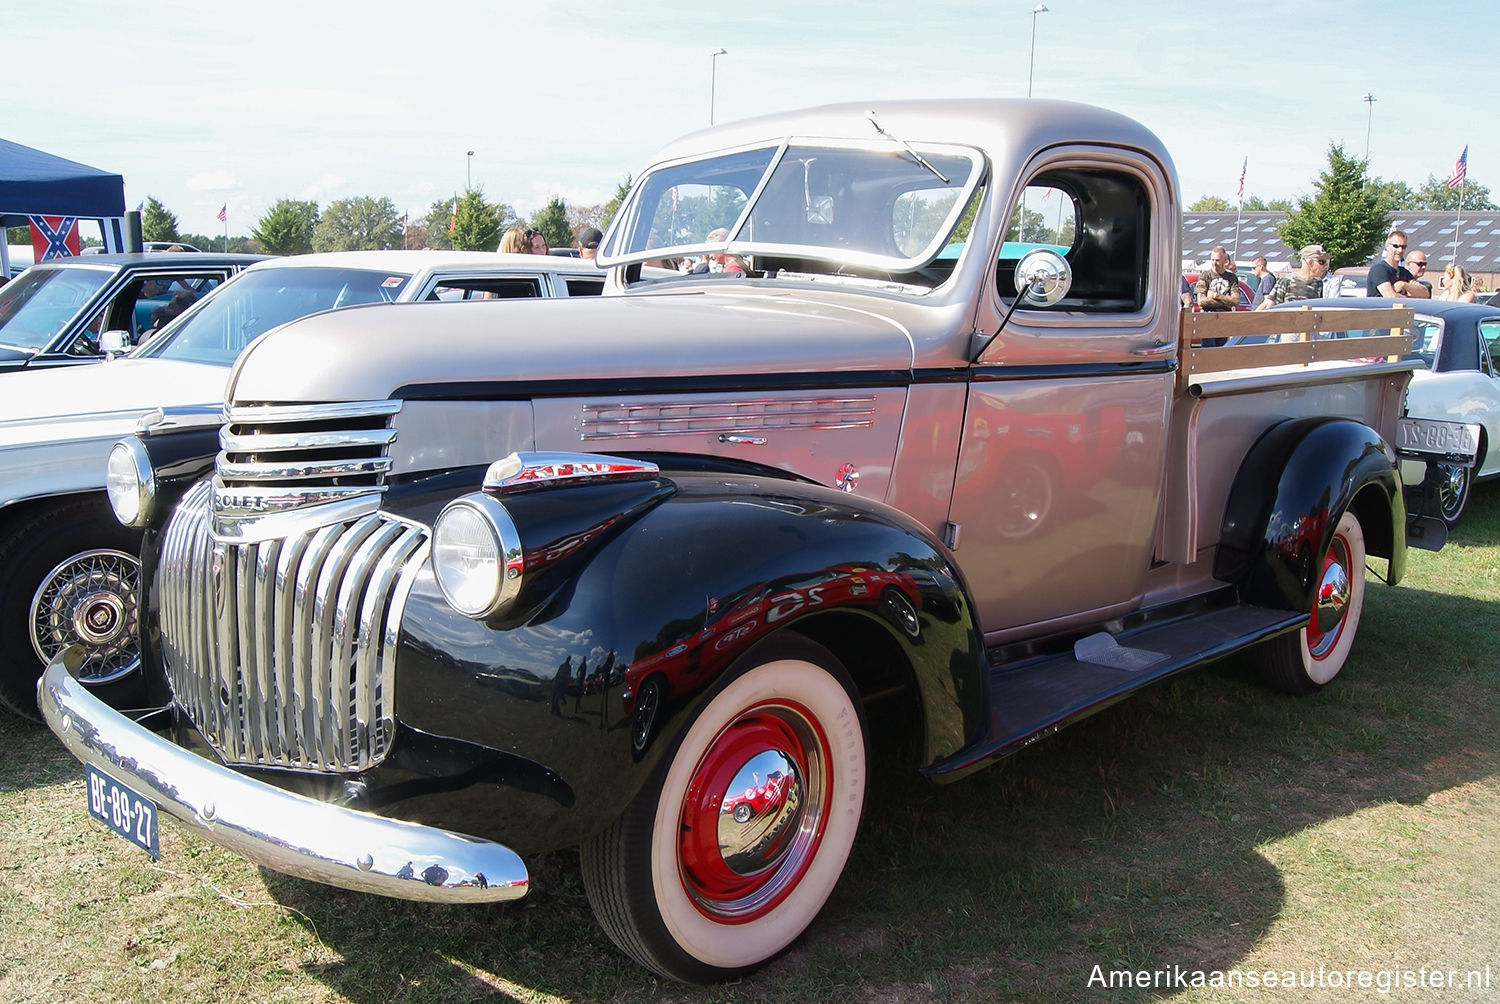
(736, 842)
(69, 578)
(1306, 660)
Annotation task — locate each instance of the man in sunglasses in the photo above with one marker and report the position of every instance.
(1388, 277)
(1416, 264)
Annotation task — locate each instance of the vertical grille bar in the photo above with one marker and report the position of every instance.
(409, 551)
(326, 667)
(352, 592)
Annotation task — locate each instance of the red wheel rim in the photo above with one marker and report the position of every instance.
(737, 866)
(1327, 621)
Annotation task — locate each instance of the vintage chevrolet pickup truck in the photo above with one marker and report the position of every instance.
(633, 573)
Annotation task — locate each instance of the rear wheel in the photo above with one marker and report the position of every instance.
(70, 577)
(1306, 660)
(1452, 483)
(738, 839)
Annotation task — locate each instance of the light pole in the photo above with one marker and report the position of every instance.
(469, 172)
(1040, 8)
(1368, 99)
(713, 79)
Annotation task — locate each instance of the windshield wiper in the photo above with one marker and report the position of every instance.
(870, 114)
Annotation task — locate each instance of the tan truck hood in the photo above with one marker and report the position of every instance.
(373, 354)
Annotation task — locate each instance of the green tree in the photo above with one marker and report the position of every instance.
(157, 224)
(287, 227)
(359, 224)
(1345, 215)
(436, 223)
(1435, 194)
(476, 223)
(1210, 204)
(607, 214)
(1393, 195)
(552, 221)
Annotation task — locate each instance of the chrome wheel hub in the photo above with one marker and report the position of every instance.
(761, 806)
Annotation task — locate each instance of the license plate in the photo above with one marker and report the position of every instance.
(1429, 439)
(122, 809)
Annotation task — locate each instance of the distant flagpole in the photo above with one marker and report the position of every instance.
(1239, 205)
(1459, 179)
(224, 219)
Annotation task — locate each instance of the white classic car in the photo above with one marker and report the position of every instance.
(70, 570)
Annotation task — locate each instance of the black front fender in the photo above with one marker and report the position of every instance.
(593, 679)
(1291, 489)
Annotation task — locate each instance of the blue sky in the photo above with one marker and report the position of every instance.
(203, 104)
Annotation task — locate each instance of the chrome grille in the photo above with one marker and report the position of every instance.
(282, 651)
(280, 457)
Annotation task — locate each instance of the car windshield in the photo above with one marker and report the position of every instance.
(258, 300)
(817, 208)
(35, 305)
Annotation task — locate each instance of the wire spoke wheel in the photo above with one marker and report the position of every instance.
(90, 599)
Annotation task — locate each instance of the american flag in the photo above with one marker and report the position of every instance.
(1460, 169)
(224, 213)
(1243, 166)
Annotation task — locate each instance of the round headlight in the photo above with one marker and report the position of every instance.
(476, 556)
(129, 482)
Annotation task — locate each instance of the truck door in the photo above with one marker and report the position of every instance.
(1058, 485)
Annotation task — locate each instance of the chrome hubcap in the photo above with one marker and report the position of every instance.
(762, 805)
(90, 599)
(1332, 601)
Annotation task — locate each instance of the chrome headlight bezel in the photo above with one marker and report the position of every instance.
(130, 482)
(477, 557)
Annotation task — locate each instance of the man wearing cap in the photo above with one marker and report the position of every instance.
(1305, 283)
(588, 242)
(1388, 277)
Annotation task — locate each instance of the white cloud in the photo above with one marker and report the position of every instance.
(213, 181)
(323, 187)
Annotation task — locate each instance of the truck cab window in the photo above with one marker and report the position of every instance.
(1099, 220)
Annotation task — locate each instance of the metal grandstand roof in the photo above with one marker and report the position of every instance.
(1477, 233)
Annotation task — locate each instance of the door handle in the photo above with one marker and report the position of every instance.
(731, 437)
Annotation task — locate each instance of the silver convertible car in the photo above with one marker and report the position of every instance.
(70, 570)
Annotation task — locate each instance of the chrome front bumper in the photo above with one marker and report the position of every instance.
(283, 831)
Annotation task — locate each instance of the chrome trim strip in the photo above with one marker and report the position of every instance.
(288, 833)
(273, 442)
(250, 414)
(251, 471)
(687, 417)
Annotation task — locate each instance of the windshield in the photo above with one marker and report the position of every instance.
(258, 300)
(35, 305)
(873, 205)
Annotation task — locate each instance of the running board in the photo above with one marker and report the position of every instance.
(1035, 698)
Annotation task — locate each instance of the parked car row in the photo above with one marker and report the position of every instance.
(71, 570)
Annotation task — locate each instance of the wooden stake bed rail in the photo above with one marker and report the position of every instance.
(1300, 333)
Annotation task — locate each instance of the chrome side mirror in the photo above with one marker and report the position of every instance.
(115, 342)
(1043, 277)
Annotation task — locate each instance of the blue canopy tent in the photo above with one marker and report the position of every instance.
(35, 183)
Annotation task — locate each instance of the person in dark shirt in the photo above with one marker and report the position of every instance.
(1218, 288)
(1388, 277)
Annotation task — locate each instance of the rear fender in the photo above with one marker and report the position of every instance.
(1291, 489)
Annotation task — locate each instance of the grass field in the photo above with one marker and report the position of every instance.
(1205, 825)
